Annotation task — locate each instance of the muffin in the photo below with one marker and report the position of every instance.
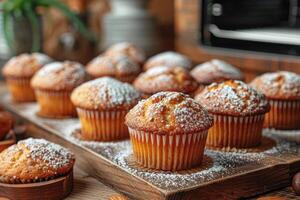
(164, 78)
(282, 90)
(6, 124)
(215, 71)
(120, 67)
(101, 106)
(127, 49)
(34, 160)
(238, 112)
(168, 131)
(53, 85)
(169, 59)
(18, 72)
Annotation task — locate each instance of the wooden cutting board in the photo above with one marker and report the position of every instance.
(225, 175)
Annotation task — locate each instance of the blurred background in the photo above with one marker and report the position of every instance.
(149, 23)
(254, 35)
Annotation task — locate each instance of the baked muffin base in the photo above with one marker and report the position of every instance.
(235, 131)
(284, 114)
(103, 125)
(168, 152)
(55, 104)
(20, 89)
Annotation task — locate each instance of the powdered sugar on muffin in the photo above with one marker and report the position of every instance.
(34, 160)
(279, 85)
(169, 59)
(232, 98)
(105, 93)
(169, 113)
(114, 66)
(127, 49)
(59, 76)
(215, 71)
(25, 65)
(164, 78)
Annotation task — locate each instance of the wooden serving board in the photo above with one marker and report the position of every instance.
(55, 189)
(224, 175)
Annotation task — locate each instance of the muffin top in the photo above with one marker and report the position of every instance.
(34, 160)
(114, 66)
(164, 78)
(127, 49)
(169, 113)
(105, 94)
(169, 59)
(25, 65)
(215, 71)
(233, 97)
(59, 76)
(278, 85)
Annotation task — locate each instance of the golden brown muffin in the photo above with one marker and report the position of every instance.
(164, 78)
(19, 70)
(215, 71)
(34, 160)
(127, 49)
(120, 67)
(238, 112)
(168, 131)
(53, 85)
(6, 123)
(169, 59)
(282, 90)
(102, 105)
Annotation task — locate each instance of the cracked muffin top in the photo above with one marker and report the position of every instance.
(119, 67)
(25, 65)
(169, 113)
(215, 71)
(169, 59)
(105, 94)
(233, 98)
(34, 160)
(164, 78)
(278, 85)
(127, 49)
(59, 76)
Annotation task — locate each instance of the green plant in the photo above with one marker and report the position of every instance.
(28, 8)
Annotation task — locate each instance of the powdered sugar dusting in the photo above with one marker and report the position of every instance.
(105, 93)
(113, 65)
(287, 142)
(215, 71)
(216, 164)
(169, 59)
(163, 78)
(169, 112)
(128, 49)
(55, 156)
(281, 84)
(25, 65)
(232, 97)
(59, 76)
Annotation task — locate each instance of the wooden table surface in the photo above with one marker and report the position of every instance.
(87, 187)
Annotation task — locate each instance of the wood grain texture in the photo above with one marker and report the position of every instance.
(244, 180)
(187, 26)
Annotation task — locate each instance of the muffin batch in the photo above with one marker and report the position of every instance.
(169, 111)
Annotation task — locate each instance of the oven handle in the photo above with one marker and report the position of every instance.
(268, 35)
